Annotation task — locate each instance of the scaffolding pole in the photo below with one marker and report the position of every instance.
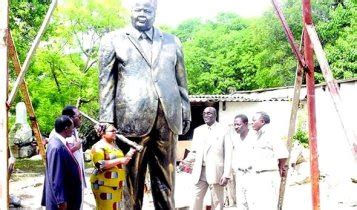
(311, 107)
(4, 184)
(27, 99)
(334, 90)
(293, 115)
(32, 51)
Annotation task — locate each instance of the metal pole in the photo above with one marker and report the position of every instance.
(26, 96)
(310, 83)
(32, 51)
(4, 181)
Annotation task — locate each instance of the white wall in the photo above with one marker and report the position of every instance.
(335, 155)
(279, 112)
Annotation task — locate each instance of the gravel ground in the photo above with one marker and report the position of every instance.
(28, 187)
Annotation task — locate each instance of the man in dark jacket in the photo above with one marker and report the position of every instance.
(62, 188)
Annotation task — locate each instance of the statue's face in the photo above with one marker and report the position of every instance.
(143, 15)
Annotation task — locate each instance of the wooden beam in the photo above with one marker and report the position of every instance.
(333, 90)
(289, 34)
(26, 96)
(311, 108)
(4, 184)
(32, 51)
(293, 114)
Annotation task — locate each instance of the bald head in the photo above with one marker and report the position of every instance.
(152, 3)
(209, 115)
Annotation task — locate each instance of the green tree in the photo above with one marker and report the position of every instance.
(232, 53)
(64, 67)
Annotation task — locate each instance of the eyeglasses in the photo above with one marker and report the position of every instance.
(207, 113)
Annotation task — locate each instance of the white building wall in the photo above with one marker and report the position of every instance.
(279, 112)
(335, 154)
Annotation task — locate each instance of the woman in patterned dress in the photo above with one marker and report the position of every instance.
(108, 177)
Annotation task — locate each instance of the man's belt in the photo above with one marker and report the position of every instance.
(246, 170)
(263, 171)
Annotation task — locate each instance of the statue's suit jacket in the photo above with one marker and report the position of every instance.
(218, 151)
(132, 85)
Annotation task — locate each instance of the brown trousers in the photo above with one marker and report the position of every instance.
(159, 156)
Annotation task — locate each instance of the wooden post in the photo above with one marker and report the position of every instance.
(289, 34)
(32, 52)
(333, 90)
(310, 83)
(4, 184)
(293, 114)
(26, 96)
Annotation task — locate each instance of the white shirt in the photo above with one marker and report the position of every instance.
(242, 150)
(267, 149)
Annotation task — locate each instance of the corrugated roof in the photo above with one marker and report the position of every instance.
(269, 94)
(239, 98)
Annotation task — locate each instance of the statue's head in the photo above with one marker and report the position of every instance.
(143, 14)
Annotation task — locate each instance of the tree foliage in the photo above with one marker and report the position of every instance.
(231, 53)
(64, 67)
(222, 55)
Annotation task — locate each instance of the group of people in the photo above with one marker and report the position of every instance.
(252, 155)
(65, 178)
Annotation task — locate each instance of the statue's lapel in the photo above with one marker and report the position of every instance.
(138, 47)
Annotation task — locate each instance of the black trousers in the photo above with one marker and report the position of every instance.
(159, 157)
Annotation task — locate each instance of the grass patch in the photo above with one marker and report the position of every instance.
(29, 166)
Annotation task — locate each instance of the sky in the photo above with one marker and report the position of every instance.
(173, 12)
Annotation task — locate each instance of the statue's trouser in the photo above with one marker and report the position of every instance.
(159, 154)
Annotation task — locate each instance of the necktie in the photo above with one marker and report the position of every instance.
(146, 45)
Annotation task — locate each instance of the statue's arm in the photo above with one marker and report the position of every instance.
(181, 77)
(106, 79)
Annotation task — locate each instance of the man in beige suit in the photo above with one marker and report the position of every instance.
(212, 155)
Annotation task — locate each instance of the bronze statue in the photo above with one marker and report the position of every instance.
(143, 92)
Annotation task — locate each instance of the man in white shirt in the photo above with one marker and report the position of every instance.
(242, 141)
(212, 167)
(269, 158)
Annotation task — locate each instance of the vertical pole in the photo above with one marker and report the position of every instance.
(293, 115)
(310, 83)
(4, 184)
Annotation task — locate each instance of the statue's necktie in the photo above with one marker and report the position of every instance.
(145, 43)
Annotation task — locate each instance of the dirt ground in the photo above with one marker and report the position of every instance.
(28, 187)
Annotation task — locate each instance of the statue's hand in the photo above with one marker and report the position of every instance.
(186, 126)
